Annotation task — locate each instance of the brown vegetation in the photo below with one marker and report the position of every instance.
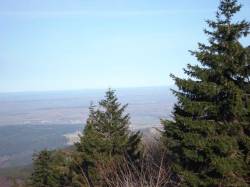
(152, 171)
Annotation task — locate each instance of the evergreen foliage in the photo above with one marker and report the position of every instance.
(247, 86)
(51, 168)
(44, 174)
(107, 137)
(208, 140)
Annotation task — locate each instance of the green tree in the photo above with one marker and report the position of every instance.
(52, 168)
(61, 164)
(208, 139)
(107, 136)
(247, 86)
(44, 174)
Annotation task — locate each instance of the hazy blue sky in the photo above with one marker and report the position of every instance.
(76, 44)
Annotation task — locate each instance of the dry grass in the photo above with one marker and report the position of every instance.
(152, 171)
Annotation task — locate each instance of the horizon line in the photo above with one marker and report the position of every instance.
(83, 89)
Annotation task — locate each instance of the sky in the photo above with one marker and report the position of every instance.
(83, 44)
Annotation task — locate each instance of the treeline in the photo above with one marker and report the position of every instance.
(207, 143)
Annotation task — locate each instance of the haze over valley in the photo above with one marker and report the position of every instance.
(32, 121)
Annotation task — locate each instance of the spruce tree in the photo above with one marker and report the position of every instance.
(107, 137)
(247, 86)
(208, 139)
(44, 174)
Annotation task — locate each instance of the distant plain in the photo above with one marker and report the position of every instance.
(33, 121)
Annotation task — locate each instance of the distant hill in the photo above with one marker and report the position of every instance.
(19, 142)
(19, 174)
